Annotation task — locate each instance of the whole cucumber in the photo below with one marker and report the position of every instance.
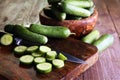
(74, 10)
(24, 33)
(58, 14)
(104, 42)
(79, 3)
(51, 31)
(91, 37)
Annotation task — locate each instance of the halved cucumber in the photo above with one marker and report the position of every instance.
(44, 67)
(58, 63)
(19, 50)
(26, 59)
(32, 48)
(44, 49)
(6, 39)
(38, 60)
(62, 56)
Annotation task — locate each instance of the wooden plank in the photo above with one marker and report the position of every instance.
(107, 67)
(114, 12)
(26, 13)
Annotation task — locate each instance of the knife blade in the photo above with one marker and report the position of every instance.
(71, 58)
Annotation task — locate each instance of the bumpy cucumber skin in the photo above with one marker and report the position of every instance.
(104, 42)
(74, 10)
(91, 37)
(51, 31)
(79, 3)
(24, 33)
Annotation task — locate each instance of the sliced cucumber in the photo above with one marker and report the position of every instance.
(44, 49)
(38, 60)
(62, 56)
(6, 39)
(36, 54)
(32, 48)
(58, 63)
(26, 59)
(20, 49)
(44, 67)
(51, 54)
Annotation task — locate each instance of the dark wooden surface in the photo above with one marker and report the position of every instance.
(11, 69)
(108, 65)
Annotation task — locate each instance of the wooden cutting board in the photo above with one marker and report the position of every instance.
(10, 69)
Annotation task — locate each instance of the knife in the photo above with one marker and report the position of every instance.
(19, 41)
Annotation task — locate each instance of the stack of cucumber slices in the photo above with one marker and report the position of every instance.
(43, 57)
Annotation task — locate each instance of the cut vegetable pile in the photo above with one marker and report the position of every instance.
(43, 57)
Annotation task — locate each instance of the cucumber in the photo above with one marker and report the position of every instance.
(44, 67)
(51, 54)
(26, 59)
(74, 10)
(20, 50)
(58, 63)
(6, 39)
(91, 37)
(38, 60)
(36, 54)
(24, 33)
(80, 3)
(51, 31)
(44, 49)
(58, 14)
(62, 56)
(32, 49)
(104, 42)
(72, 17)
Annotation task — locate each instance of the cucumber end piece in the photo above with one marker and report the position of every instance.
(6, 39)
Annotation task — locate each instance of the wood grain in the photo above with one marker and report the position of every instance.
(11, 68)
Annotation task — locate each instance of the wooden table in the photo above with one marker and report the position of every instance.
(108, 65)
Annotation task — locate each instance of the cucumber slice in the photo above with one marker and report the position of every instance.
(51, 54)
(62, 56)
(44, 49)
(58, 63)
(19, 50)
(36, 54)
(26, 59)
(6, 39)
(38, 60)
(44, 67)
(32, 49)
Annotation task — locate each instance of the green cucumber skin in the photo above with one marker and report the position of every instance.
(58, 14)
(104, 42)
(79, 3)
(74, 10)
(91, 37)
(51, 31)
(24, 33)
